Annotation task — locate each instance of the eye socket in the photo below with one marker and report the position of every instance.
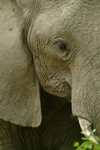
(61, 45)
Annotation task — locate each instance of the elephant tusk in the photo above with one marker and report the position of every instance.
(86, 128)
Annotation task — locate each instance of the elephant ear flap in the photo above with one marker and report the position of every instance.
(19, 87)
(24, 4)
(20, 99)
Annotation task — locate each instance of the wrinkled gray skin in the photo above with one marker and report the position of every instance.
(55, 44)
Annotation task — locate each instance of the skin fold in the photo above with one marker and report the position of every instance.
(49, 72)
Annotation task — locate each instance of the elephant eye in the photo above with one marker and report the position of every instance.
(61, 45)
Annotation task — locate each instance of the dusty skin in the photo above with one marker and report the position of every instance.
(49, 72)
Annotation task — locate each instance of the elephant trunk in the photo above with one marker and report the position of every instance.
(95, 113)
(87, 109)
(87, 104)
(86, 95)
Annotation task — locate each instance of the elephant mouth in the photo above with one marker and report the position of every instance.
(86, 129)
(61, 89)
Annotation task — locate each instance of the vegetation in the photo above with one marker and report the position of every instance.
(87, 144)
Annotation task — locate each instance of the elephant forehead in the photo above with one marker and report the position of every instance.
(78, 17)
(55, 19)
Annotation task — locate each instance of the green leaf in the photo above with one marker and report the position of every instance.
(84, 138)
(97, 138)
(87, 145)
(94, 130)
(76, 144)
(97, 147)
(79, 148)
(90, 147)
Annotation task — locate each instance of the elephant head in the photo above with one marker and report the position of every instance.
(55, 43)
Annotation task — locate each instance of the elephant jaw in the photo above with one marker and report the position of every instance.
(86, 129)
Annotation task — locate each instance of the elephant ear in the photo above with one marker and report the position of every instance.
(26, 4)
(22, 3)
(19, 87)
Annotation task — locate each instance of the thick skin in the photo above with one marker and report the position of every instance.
(55, 45)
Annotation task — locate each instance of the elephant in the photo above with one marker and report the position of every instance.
(49, 73)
